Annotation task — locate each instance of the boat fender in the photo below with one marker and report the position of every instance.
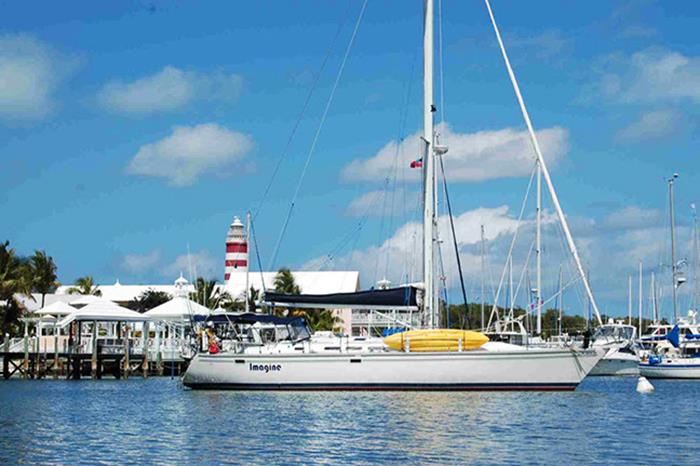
(644, 386)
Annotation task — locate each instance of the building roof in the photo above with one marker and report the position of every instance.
(124, 293)
(104, 312)
(58, 308)
(178, 308)
(86, 299)
(309, 282)
(33, 304)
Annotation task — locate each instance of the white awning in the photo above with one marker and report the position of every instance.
(87, 299)
(178, 308)
(58, 308)
(105, 312)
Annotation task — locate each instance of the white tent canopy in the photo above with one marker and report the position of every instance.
(178, 308)
(85, 300)
(104, 312)
(58, 308)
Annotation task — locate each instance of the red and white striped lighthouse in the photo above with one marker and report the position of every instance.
(236, 249)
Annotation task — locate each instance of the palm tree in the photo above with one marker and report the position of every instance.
(320, 319)
(43, 274)
(148, 300)
(285, 283)
(208, 294)
(14, 279)
(85, 285)
(253, 296)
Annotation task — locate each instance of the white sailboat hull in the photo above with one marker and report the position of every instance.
(539, 369)
(685, 368)
(617, 364)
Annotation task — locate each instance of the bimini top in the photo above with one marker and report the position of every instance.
(248, 318)
(405, 297)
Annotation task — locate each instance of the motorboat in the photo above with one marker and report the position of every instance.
(618, 341)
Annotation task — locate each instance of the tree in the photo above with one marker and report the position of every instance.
(318, 319)
(43, 274)
(14, 279)
(285, 283)
(148, 300)
(209, 294)
(85, 285)
(253, 296)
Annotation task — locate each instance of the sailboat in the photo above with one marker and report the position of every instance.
(674, 355)
(277, 354)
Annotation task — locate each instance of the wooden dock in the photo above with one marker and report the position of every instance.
(115, 360)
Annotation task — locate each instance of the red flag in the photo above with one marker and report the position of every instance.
(417, 163)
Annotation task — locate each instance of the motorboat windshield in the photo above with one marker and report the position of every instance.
(615, 332)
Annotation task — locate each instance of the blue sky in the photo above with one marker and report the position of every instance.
(129, 131)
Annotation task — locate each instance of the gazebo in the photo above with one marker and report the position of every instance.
(179, 309)
(87, 299)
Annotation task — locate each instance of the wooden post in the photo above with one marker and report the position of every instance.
(145, 328)
(159, 356)
(5, 358)
(55, 351)
(75, 350)
(93, 365)
(126, 352)
(25, 362)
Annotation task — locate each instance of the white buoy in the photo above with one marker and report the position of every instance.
(644, 386)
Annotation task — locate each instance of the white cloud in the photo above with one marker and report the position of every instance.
(611, 248)
(399, 255)
(651, 125)
(633, 218)
(476, 156)
(140, 263)
(29, 75)
(373, 203)
(189, 152)
(652, 75)
(544, 45)
(637, 31)
(200, 264)
(169, 89)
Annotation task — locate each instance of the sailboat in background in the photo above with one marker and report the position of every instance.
(284, 359)
(675, 354)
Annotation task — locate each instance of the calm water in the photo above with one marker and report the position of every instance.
(157, 421)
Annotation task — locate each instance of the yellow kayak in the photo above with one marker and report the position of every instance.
(436, 340)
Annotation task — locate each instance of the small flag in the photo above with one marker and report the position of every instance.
(417, 163)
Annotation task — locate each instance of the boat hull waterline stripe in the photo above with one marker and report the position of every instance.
(385, 387)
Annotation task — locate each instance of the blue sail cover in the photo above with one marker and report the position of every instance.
(674, 336)
(405, 297)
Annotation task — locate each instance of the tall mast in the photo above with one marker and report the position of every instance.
(561, 297)
(673, 245)
(655, 309)
(639, 323)
(545, 173)
(247, 269)
(538, 247)
(429, 223)
(629, 300)
(483, 275)
(694, 296)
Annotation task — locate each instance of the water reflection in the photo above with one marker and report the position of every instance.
(156, 421)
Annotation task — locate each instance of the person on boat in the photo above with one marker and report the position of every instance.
(211, 337)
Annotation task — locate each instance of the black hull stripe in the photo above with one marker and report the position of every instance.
(385, 387)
